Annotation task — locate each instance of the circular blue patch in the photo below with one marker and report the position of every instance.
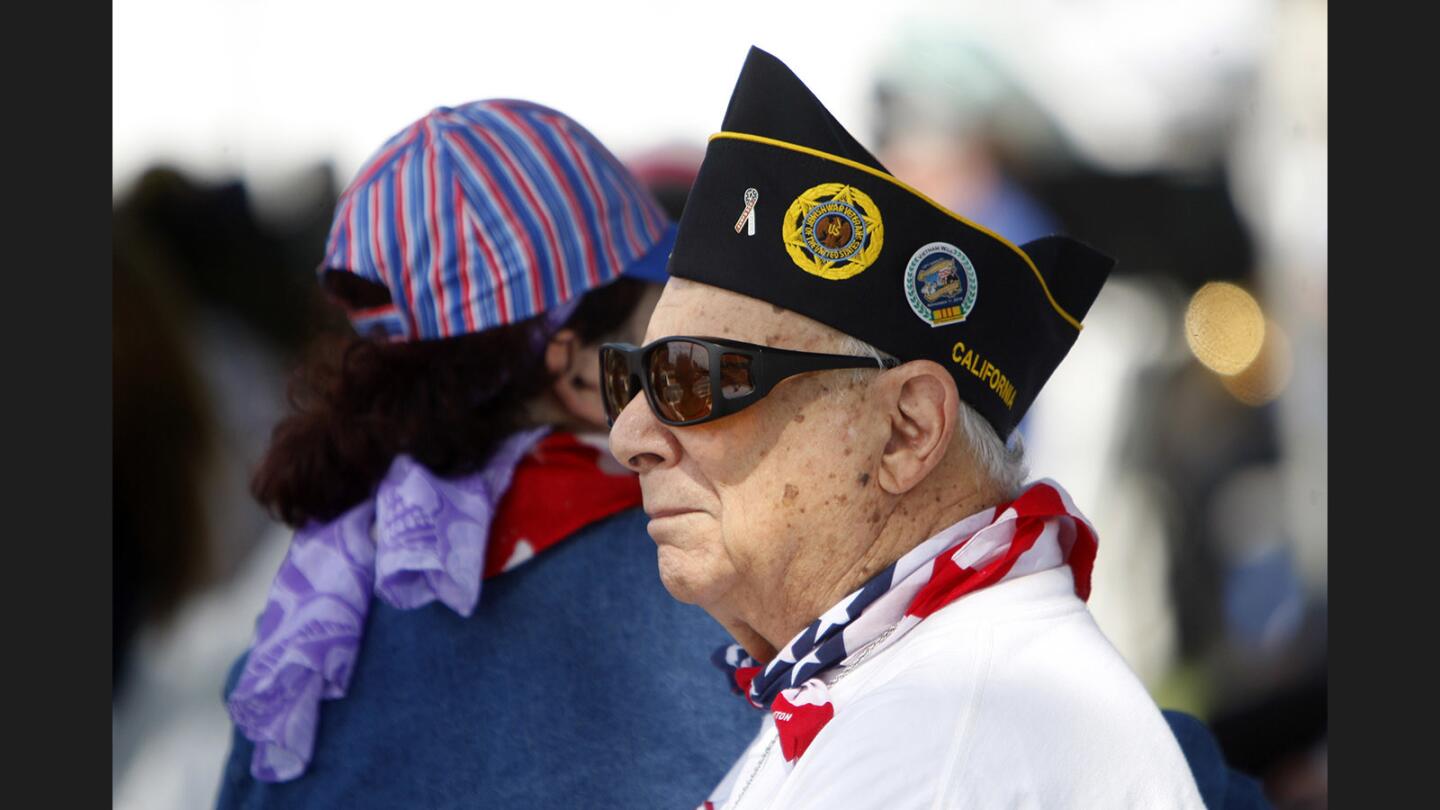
(940, 284)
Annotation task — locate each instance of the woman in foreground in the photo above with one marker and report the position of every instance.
(469, 614)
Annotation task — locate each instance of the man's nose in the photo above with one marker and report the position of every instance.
(639, 440)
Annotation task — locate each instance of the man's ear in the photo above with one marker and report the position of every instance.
(923, 406)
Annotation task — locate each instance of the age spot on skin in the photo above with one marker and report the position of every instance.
(875, 517)
(864, 478)
(791, 493)
(799, 417)
(847, 451)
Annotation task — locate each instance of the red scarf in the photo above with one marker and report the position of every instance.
(561, 486)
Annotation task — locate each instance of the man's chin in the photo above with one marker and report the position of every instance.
(679, 576)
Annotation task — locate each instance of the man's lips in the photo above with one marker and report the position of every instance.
(664, 513)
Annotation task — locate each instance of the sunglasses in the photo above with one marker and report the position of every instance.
(681, 374)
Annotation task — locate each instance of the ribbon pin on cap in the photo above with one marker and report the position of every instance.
(747, 217)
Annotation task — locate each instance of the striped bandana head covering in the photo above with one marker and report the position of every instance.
(490, 213)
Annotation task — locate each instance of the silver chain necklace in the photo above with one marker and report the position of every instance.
(860, 657)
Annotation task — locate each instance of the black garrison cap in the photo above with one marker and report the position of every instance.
(790, 209)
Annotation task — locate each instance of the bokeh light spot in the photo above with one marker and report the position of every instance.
(1224, 327)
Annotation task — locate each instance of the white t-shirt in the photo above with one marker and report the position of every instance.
(1010, 697)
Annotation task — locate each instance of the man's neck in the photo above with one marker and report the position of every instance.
(913, 518)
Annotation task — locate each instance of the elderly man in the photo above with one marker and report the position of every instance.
(817, 420)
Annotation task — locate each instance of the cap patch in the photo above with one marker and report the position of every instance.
(833, 231)
(940, 284)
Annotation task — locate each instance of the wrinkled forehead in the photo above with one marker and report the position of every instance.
(694, 308)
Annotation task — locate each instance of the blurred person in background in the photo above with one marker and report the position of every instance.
(199, 381)
(163, 439)
(196, 362)
(946, 114)
(1278, 584)
(454, 446)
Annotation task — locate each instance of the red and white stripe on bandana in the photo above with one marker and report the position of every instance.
(1039, 530)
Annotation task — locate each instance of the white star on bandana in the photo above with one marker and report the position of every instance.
(805, 667)
(836, 616)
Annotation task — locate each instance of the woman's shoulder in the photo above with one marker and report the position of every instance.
(568, 658)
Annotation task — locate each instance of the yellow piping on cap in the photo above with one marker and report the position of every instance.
(745, 136)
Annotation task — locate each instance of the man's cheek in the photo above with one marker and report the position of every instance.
(750, 545)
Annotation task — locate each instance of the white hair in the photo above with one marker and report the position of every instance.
(1002, 462)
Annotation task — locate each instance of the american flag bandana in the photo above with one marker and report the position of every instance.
(1039, 530)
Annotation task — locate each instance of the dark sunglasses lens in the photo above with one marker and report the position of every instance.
(735, 380)
(680, 378)
(615, 382)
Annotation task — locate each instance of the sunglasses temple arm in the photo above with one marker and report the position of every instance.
(776, 366)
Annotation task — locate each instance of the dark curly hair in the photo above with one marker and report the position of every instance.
(359, 401)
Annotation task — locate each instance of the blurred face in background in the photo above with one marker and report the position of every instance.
(576, 365)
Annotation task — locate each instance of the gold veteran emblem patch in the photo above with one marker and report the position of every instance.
(833, 231)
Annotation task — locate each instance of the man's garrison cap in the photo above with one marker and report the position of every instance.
(790, 209)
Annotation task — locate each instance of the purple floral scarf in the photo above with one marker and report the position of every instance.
(421, 539)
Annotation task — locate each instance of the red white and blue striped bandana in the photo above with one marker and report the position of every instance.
(490, 213)
(1039, 530)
